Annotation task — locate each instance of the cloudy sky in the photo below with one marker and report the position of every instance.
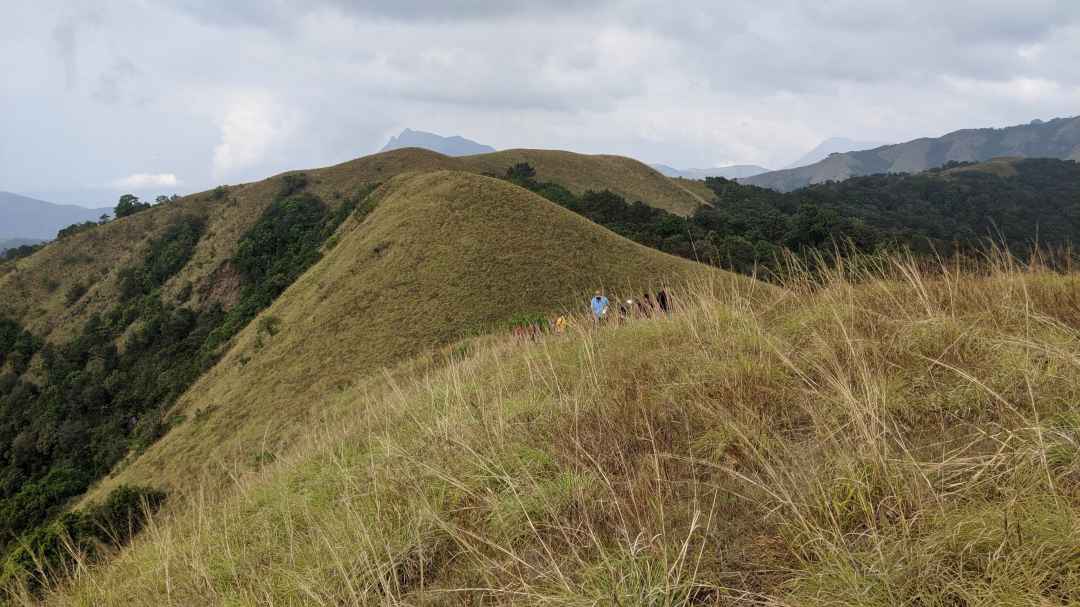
(163, 96)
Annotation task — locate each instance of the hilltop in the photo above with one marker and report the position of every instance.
(832, 145)
(110, 335)
(577, 172)
(450, 146)
(22, 217)
(1058, 138)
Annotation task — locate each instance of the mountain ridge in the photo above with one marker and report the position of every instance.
(1057, 138)
(31, 218)
(833, 145)
(455, 145)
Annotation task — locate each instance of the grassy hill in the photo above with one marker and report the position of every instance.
(36, 289)
(444, 255)
(627, 177)
(888, 435)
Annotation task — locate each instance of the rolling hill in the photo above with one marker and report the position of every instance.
(38, 286)
(626, 177)
(1058, 138)
(28, 218)
(859, 434)
(450, 146)
(444, 255)
(578, 172)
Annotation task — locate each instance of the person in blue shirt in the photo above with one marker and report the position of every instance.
(599, 306)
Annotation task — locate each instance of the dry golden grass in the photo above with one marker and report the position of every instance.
(445, 255)
(882, 435)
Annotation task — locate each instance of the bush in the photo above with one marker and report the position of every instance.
(75, 228)
(51, 549)
(129, 204)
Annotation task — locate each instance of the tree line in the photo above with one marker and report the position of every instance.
(956, 208)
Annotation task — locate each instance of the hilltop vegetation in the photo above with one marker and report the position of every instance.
(1018, 204)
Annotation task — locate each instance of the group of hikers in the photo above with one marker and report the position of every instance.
(644, 307)
(603, 311)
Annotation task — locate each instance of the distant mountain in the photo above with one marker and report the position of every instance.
(451, 146)
(11, 243)
(735, 171)
(24, 217)
(833, 145)
(1058, 138)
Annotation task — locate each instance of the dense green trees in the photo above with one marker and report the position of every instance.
(959, 207)
(92, 402)
(129, 204)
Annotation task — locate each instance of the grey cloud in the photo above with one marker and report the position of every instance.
(282, 13)
(65, 39)
(122, 82)
(692, 83)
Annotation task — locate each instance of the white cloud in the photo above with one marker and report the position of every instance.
(144, 181)
(252, 126)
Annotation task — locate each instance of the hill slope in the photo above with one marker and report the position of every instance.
(450, 146)
(29, 218)
(1058, 138)
(444, 255)
(863, 443)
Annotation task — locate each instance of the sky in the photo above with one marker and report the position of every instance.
(155, 97)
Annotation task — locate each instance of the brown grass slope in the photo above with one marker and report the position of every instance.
(444, 255)
(887, 436)
(627, 177)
